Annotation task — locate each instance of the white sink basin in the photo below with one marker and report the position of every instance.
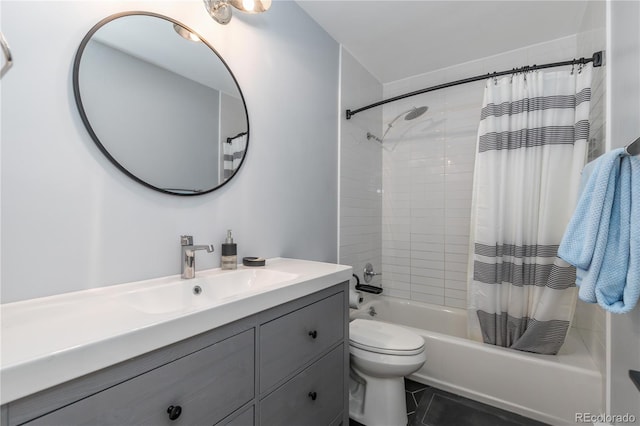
(186, 295)
(50, 340)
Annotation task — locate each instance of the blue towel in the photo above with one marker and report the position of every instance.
(603, 237)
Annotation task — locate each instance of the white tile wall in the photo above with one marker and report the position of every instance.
(589, 319)
(360, 233)
(428, 174)
(623, 110)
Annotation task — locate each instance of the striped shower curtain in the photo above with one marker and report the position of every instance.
(233, 153)
(532, 146)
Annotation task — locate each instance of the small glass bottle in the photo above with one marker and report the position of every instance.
(229, 253)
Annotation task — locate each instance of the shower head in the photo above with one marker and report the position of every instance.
(410, 114)
(415, 112)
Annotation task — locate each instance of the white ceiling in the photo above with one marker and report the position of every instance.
(398, 39)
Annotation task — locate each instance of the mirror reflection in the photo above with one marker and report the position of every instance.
(160, 103)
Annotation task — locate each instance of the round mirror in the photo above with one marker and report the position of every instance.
(161, 103)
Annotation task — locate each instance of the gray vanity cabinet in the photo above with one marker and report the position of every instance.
(287, 344)
(305, 333)
(286, 366)
(310, 398)
(244, 418)
(202, 388)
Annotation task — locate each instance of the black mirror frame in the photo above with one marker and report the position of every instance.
(87, 124)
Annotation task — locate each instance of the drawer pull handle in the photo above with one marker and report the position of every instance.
(174, 412)
(313, 395)
(313, 334)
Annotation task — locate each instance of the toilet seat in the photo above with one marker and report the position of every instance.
(384, 338)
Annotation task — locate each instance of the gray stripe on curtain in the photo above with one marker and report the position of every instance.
(519, 275)
(529, 138)
(536, 104)
(228, 160)
(513, 250)
(235, 156)
(525, 334)
(498, 266)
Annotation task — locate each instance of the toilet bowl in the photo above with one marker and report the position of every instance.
(381, 354)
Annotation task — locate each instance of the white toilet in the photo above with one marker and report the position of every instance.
(381, 354)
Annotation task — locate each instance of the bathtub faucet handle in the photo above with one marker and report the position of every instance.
(369, 273)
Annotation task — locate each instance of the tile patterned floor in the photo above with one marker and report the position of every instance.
(428, 406)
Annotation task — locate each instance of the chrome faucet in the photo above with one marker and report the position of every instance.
(368, 273)
(188, 256)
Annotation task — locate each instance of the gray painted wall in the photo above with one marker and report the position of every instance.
(71, 221)
(160, 126)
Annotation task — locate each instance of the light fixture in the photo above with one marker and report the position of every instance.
(185, 33)
(220, 10)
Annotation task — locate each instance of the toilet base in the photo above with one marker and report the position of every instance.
(377, 401)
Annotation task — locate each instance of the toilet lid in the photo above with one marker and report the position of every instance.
(382, 337)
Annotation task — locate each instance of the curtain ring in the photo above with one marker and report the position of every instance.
(573, 66)
(580, 68)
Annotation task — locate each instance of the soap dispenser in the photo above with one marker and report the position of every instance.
(229, 253)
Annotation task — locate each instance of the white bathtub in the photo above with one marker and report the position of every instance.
(548, 388)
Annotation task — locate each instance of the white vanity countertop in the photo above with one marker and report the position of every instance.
(50, 340)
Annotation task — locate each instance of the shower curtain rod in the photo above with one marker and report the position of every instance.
(597, 60)
(229, 140)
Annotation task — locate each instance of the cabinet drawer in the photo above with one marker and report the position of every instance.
(313, 397)
(289, 342)
(243, 419)
(208, 385)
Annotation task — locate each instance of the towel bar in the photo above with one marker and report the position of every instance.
(635, 378)
(633, 148)
(7, 56)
